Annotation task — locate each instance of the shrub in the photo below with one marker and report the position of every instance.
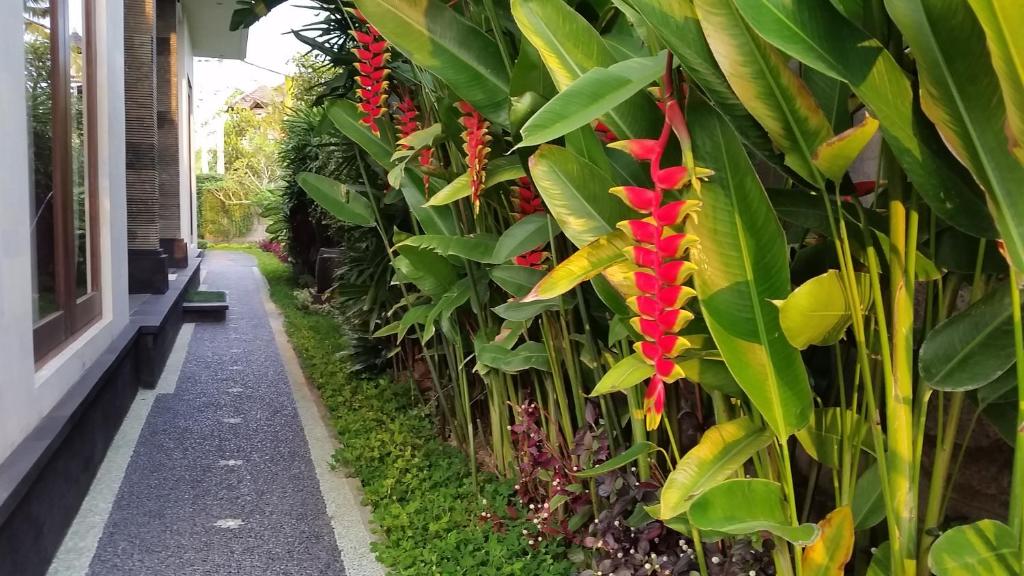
(225, 208)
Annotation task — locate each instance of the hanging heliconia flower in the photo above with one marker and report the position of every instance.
(526, 201)
(475, 143)
(373, 55)
(659, 250)
(605, 133)
(407, 121)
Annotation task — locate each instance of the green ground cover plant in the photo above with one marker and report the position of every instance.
(420, 488)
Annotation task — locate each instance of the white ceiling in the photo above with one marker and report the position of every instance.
(208, 22)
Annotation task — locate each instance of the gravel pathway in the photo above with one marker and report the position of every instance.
(221, 481)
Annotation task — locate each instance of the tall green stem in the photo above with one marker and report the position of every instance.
(900, 393)
(405, 295)
(639, 430)
(1017, 492)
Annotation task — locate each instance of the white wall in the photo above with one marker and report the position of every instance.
(27, 394)
(186, 140)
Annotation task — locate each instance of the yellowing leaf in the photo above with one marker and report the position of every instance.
(835, 156)
(828, 555)
(722, 450)
(583, 265)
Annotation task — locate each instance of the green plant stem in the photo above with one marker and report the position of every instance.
(945, 445)
(787, 477)
(405, 295)
(556, 374)
(698, 550)
(492, 15)
(1017, 490)
(467, 410)
(851, 287)
(639, 430)
(671, 440)
(571, 360)
(900, 394)
(941, 480)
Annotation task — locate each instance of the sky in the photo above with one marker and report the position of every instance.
(271, 47)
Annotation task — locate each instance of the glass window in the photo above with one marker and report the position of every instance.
(79, 146)
(39, 91)
(58, 63)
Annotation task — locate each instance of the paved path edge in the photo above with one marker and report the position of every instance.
(342, 494)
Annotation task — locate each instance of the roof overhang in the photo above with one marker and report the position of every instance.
(208, 27)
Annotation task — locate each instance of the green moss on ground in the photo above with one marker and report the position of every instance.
(205, 296)
(418, 486)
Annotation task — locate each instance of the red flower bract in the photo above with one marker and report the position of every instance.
(605, 133)
(658, 251)
(407, 121)
(475, 143)
(526, 201)
(372, 80)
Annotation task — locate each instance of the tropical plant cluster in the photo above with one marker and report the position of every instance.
(740, 275)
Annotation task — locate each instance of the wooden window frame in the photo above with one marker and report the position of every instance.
(76, 313)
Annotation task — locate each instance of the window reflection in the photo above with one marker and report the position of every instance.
(39, 73)
(79, 148)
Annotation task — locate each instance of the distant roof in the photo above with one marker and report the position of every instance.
(261, 97)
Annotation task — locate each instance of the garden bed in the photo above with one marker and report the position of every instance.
(205, 305)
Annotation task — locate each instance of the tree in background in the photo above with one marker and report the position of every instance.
(252, 134)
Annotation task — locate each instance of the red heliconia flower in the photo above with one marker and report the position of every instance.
(605, 133)
(658, 250)
(407, 121)
(373, 54)
(526, 201)
(861, 188)
(532, 259)
(475, 143)
(654, 402)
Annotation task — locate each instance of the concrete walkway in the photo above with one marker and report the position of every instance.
(224, 469)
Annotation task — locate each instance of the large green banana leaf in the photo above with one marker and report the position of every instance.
(675, 22)
(570, 47)
(722, 450)
(819, 36)
(987, 547)
(437, 38)
(434, 220)
(593, 94)
(764, 509)
(762, 79)
(742, 266)
(972, 348)
(346, 205)
(576, 194)
(1002, 21)
(960, 93)
(345, 116)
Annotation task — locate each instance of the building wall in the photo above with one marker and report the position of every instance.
(186, 137)
(168, 116)
(28, 393)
